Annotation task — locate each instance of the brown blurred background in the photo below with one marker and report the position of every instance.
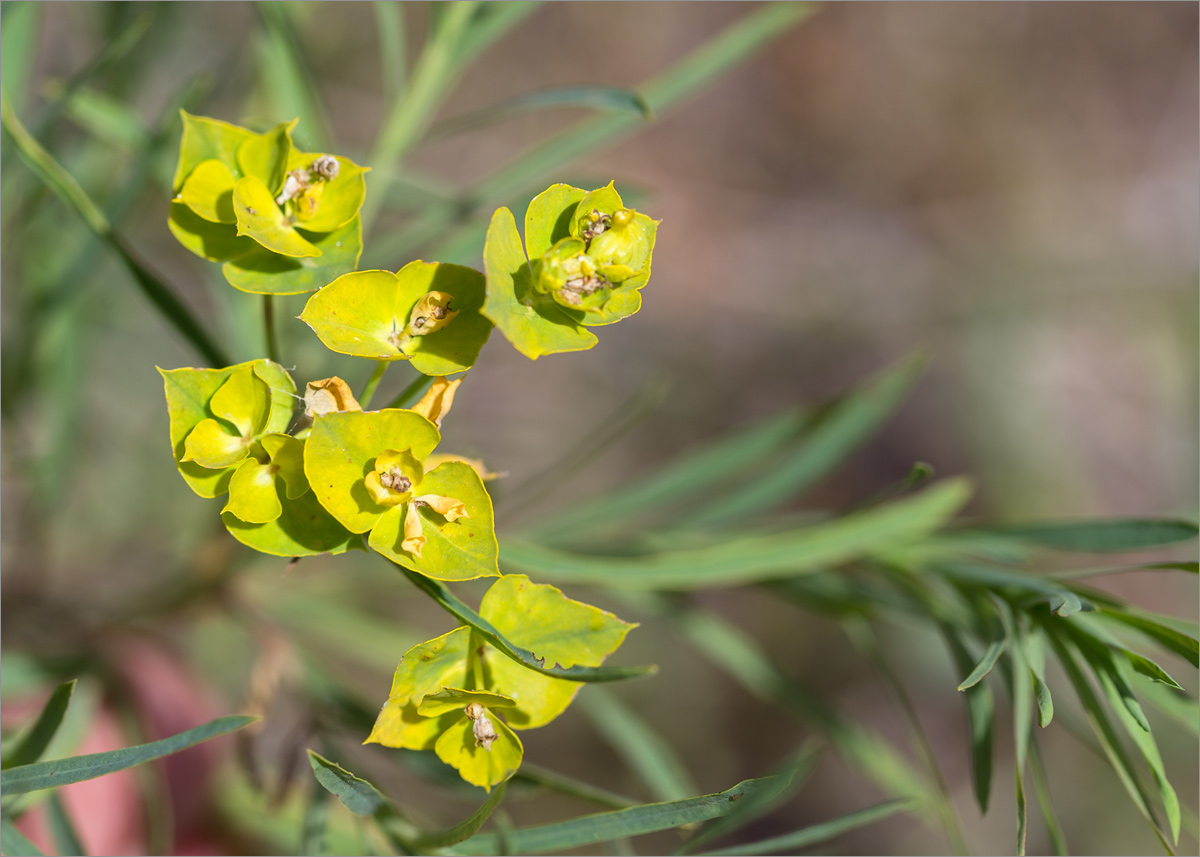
(1013, 186)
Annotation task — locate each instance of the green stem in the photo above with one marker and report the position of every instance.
(412, 391)
(52, 174)
(269, 324)
(409, 116)
(368, 391)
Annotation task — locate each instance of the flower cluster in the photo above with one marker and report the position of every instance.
(337, 475)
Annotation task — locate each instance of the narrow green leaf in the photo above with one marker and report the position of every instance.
(740, 657)
(1169, 638)
(751, 559)
(1022, 702)
(452, 605)
(691, 74)
(1106, 734)
(106, 118)
(464, 829)
(14, 843)
(355, 793)
(1176, 705)
(1116, 688)
(1065, 604)
(1103, 535)
(61, 772)
(561, 783)
(389, 18)
(34, 744)
(791, 843)
(66, 840)
(607, 826)
(826, 442)
(288, 78)
(796, 772)
(491, 22)
(18, 47)
(981, 715)
(687, 477)
(646, 752)
(1150, 669)
(1071, 574)
(609, 99)
(986, 664)
(68, 190)
(1041, 788)
(1035, 657)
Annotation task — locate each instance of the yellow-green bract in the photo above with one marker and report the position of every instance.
(227, 434)
(427, 706)
(584, 259)
(282, 221)
(427, 313)
(367, 470)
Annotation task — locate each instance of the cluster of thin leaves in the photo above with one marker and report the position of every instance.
(1040, 637)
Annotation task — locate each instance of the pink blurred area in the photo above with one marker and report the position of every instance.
(109, 813)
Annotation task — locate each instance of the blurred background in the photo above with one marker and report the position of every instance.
(1011, 186)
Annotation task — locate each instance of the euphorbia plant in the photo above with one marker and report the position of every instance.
(344, 476)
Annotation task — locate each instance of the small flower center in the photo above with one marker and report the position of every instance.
(594, 223)
(395, 480)
(483, 729)
(432, 313)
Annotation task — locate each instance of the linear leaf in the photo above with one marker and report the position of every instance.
(34, 744)
(981, 716)
(1150, 669)
(452, 605)
(561, 783)
(15, 843)
(827, 440)
(389, 18)
(46, 168)
(106, 118)
(1169, 638)
(691, 74)
(1041, 788)
(18, 48)
(752, 559)
(66, 840)
(684, 478)
(986, 663)
(464, 829)
(607, 826)
(1115, 688)
(796, 772)
(645, 751)
(288, 78)
(610, 99)
(1117, 534)
(1176, 705)
(355, 793)
(1107, 735)
(734, 652)
(790, 843)
(61, 772)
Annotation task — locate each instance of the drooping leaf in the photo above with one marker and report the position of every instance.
(31, 746)
(456, 699)
(609, 99)
(465, 829)
(61, 772)
(355, 793)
